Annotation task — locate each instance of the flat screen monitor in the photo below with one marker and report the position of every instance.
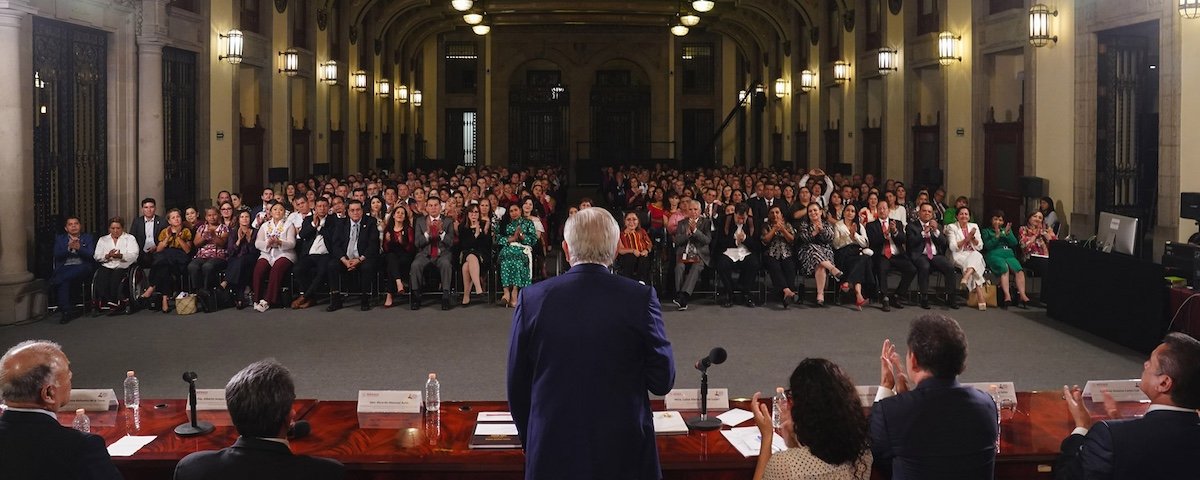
(1117, 232)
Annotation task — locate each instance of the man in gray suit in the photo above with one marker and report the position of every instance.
(434, 235)
(692, 237)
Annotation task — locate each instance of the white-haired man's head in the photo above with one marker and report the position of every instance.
(590, 236)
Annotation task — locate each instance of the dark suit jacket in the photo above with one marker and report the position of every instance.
(916, 240)
(86, 252)
(1162, 444)
(876, 239)
(446, 243)
(308, 234)
(939, 430)
(254, 459)
(586, 346)
(368, 239)
(726, 228)
(137, 228)
(34, 446)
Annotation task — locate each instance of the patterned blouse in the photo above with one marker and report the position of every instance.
(638, 240)
(779, 248)
(210, 249)
(1032, 242)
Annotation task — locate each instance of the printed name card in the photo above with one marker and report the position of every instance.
(689, 399)
(389, 401)
(92, 400)
(211, 399)
(1121, 390)
(866, 394)
(1006, 390)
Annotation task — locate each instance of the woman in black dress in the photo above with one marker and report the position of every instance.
(475, 250)
(242, 254)
(398, 251)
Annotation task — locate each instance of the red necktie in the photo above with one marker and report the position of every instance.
(929, 247)
(887, 242)
(433, 237)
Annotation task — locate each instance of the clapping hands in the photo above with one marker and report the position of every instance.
(1078, 410)
(892, 374)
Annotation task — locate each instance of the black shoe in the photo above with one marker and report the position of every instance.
(925, 301)
(65, 317)
(750, 302)
(682, 302)
(884, 302)
(952, 301)
(1003, 304)
(786, 301)
(365, 304)
(895, 301)
(1023, 305)
(446, 301)
(819, 303)
(335, 303)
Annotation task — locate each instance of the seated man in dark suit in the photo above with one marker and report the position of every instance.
(737, 238)
(434, 239)
(354, 255)
(260, 403)
(939, 429)
(887, 239)
(35, 381)
(1161, 444)
(74, 262)
(313, 243)
(928, 249)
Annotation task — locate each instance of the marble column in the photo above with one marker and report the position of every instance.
(151, 166)
(15, 128)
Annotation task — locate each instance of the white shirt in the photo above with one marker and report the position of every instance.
(318, 246)
(887, 238)
(34, 410)
(285, 232)
(148, 225)
(296, 219)
(932, 246)
(126, 244)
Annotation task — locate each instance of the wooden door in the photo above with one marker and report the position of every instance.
(250, 159)
(1003, 166)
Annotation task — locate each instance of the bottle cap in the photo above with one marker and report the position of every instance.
(129, 373)
(778, 389)
(79, 411)
(433, 376)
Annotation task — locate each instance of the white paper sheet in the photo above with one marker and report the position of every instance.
(128, 446)
(494, 417)
(747, 441)
(495, 429)
(735, 417)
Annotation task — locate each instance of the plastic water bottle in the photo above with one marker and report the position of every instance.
(433, 394)
(82, 422)
(994, 392)
(778, 405)
(133, 392)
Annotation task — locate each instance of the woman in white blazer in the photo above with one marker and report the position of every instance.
(965, 247)
(115, 253)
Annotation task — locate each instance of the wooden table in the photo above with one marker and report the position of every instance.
(419, 446)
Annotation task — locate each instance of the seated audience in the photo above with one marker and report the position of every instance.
(145, 230)
(1160, 444)
(435, 240)
(241, 254)
(924, 424)
(778, 237)
(73, 264)
(35, 383)
(814, 251)
(888, 243)
(516, 237)
(998, 245)
(737, 245)
(170, 258)
(824, 428)
(1049, 217)
(259, 399)
(354, 251)
(951, 214)
(276, 242)
(850, 253)
(633, 251)
(966, 243)
(210, 240)
(398, 252)
(115, 253)
(1035, 243)
(313, 242)
(927, 248)
(692, 237)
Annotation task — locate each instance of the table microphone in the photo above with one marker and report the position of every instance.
(716, 356)
(299, 429)
(193, 427)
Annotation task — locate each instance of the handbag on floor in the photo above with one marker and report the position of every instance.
(989, 296)
(185, 305)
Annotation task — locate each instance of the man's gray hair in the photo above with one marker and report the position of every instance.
(26, 388)
(260, 398)
(592, 235)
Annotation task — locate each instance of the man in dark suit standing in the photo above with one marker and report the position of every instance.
(145, 230)
(354, 255)
(586, 346)
(887, 239)
(928, 247)
(939, 429)
(313, 243)
(74, 252)
(1161, 444)
(434, 239)
(35, 381)
(260, 403)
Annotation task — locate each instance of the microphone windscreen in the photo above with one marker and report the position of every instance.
(189, 377)
(718, 355)
(300, 429)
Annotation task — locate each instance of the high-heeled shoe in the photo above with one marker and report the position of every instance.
(466, 300)
(982, 306)
(786, 301)
(859, 304)
(1003, 303)
(820, 303)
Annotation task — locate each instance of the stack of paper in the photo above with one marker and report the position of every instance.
(495, 430)
(748, 440)
(669, 423)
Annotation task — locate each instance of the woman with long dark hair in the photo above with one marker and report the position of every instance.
(824, 427)
(475, 250)
(399, 250)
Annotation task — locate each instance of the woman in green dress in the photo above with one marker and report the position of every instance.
(999, 245)
(516, 239)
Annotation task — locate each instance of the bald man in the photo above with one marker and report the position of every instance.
(35, 381)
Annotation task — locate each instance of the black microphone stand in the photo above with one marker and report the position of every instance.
(704, 423)
(193, 428)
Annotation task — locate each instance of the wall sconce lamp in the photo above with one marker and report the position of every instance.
(417, 98)
(329, 72)
(1039, 24)
(233, 47)
(1189, 8)
(808, 80)
(782, 89)
(889, 60)
(359, 81)
(402, 93)
(291, 62)
(741, 96)
(383, 87)
(948, 48)
(841, 71)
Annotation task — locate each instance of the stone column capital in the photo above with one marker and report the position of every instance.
(13, 12)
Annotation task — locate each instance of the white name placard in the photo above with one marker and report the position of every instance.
(92, 400)
(866, 394)
(389, 401)
(211, 399)
(1121, 390)
(689, 399)
(1006, 390)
